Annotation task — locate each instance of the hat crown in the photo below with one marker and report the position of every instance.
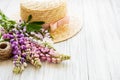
(42, 4)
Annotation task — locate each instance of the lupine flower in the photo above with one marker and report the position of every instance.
(46, 53)
(6, 36)
(34, 47)
(20, 64)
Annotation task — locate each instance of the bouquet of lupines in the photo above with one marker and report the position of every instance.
(30, 43)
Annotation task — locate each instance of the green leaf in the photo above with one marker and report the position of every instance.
(12, 22)
(0, 35)
(5, 22)
(38, 22)
(23, 24)
(29, 18)
(33, 27)
(3, 15)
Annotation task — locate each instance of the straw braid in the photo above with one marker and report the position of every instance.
(5, 50)
(41, 12)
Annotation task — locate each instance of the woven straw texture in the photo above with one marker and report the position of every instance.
(68, 30)
(5, 50)
(52, 14)
(43, 12)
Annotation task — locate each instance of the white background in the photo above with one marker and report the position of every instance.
(95, 51)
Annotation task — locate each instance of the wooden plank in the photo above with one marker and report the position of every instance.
(4, 4)
(112, 42)
(96, 54)
(95, 50)
(115, 4)
(13, 8)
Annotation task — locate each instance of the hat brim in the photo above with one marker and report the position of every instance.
(67, 31)
(63, 32)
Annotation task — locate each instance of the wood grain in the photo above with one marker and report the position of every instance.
(95, 50)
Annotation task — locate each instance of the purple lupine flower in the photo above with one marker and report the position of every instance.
(6, 36)
(21, 41)
(22, 60)
(23, 54)
(16, 48)
(19, 64)
(26, 49)
(11, 36)
(15, 57)
(14, 52)
(17, 32)
(23, 47)
(15, 43)
(20, 35)
(11, 41)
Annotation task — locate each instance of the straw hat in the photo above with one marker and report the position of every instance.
(51, 11)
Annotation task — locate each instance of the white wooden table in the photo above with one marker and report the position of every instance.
(95, 51)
